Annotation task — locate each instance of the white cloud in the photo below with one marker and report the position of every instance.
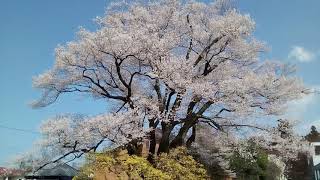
(305, 127)
(298, 108)
(301, 54)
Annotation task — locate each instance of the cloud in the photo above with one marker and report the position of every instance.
(301, 54)
(303, 111)
(298, 108)
(305, 127)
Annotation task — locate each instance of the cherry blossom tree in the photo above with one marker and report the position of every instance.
(170, 65)
(279, 143)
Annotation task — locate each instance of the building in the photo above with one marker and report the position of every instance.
(316, 159)
(59, 172)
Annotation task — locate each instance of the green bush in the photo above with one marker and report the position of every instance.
(254, 165)
(179, 165)
(119, 165)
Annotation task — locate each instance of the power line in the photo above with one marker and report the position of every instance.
(18, 129)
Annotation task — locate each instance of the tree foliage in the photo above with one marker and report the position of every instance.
(254, 163)
(172, 65)
(250, 162)
(244, 158)
(302, 166)
(119, 165)
(179, 165)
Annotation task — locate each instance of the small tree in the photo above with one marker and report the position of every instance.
(166, 64)
(247, 158)
(250, 163)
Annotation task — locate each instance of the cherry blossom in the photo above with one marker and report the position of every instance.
(168, 65)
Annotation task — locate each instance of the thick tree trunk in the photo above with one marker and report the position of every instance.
(152, 141)
(189, 121)
(179, 140)
(165, 141)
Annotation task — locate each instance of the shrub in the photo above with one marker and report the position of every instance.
(179, 165)
(119, 165)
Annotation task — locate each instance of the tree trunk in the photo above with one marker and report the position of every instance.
(164, 143)
(152, 140)
(192, 138)
(179, 140)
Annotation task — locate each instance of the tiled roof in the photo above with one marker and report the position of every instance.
(59, 170)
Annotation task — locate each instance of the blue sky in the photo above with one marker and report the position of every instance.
(30, 30)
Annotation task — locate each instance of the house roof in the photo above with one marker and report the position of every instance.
(59, 170)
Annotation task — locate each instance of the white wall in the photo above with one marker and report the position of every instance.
(315, 158)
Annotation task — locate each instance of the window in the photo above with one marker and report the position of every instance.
(317, 150)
